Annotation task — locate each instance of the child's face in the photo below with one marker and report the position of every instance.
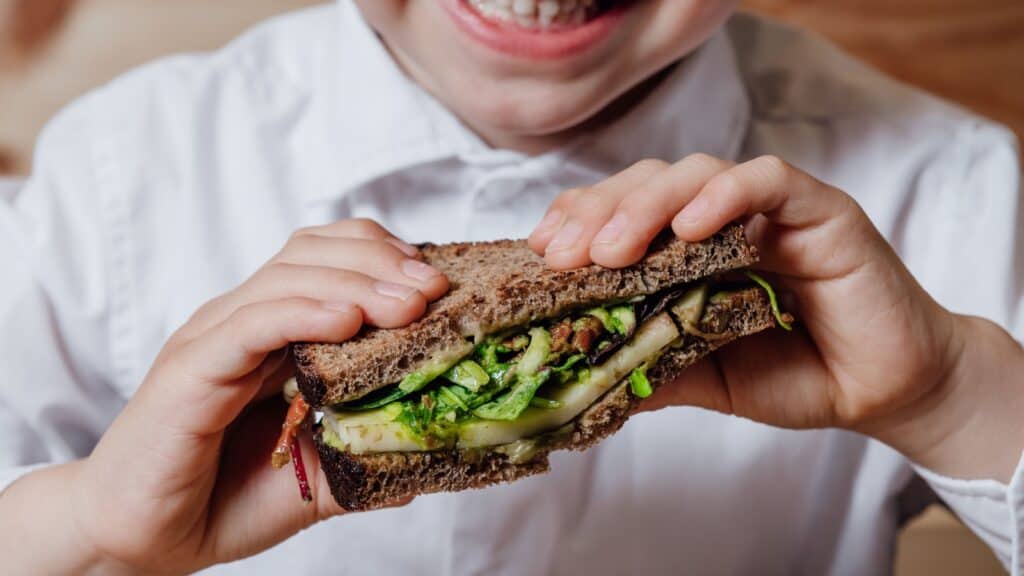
(522, 87)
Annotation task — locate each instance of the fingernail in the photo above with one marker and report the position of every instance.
(420, 271)
(566, 237)
(693, 212)
(554, 218)
(409, 250)
(338, 306)
(612, 231)
(392, 290)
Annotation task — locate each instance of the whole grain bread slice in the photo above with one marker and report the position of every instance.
(367, 481)
(496, 286)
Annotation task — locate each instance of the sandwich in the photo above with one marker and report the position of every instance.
(516, 361)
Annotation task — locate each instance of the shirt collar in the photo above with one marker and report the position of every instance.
(380, 122)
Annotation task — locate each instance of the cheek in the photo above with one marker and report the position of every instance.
(383, 15)
(678, 26)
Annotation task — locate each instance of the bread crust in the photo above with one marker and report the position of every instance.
(496, 286)
(367, 481)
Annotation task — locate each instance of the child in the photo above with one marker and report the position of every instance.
(133, 434)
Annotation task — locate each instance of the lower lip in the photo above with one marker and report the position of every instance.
(521, 42)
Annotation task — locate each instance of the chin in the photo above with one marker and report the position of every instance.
(529, 116)
(550, 111)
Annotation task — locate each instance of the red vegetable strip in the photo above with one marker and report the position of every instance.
(300, 471)
(287, 447)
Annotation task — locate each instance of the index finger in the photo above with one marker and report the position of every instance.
(359, 228)
(808, 228)
(766, 185)
(648, 209)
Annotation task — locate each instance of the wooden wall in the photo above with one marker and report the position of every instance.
(970, 51)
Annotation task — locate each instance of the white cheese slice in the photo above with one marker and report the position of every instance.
(376, 431)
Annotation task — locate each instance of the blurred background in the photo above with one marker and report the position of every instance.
(969, 51)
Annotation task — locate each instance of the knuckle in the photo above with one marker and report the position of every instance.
(298, 243)
(726, 184)
(568, 198)
(364, 227)
(649, 165)
(701, 159)
(859, 214)
(202, 318)
(590, 200)
(275, 273)
(299, 233)
(206, 308)
(773, 166)
(275, 269)
(339, 277)
(238, 316)
(372, 258)
(177, 338)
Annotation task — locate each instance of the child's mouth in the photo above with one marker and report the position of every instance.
(541, 14)
(538, 29)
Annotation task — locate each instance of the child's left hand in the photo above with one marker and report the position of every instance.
(876, 354)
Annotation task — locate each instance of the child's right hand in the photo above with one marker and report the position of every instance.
(182, 479)
(874, 353)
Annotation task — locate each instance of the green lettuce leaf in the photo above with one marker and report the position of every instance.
(512, 404)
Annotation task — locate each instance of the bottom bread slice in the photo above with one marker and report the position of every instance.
(368, 481)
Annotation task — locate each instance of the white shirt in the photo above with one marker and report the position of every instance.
(174, 183)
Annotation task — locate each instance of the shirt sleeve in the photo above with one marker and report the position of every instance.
(968, 229)
(56, 396)
(992, 510)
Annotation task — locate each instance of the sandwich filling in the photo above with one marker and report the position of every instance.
(526, 382)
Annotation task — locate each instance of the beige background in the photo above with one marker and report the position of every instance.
(971, 51)
(94, 42)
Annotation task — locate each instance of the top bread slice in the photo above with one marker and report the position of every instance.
(495, 286)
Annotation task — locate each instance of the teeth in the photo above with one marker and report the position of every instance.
(523, 7)
(546, 11)
(537, 13)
